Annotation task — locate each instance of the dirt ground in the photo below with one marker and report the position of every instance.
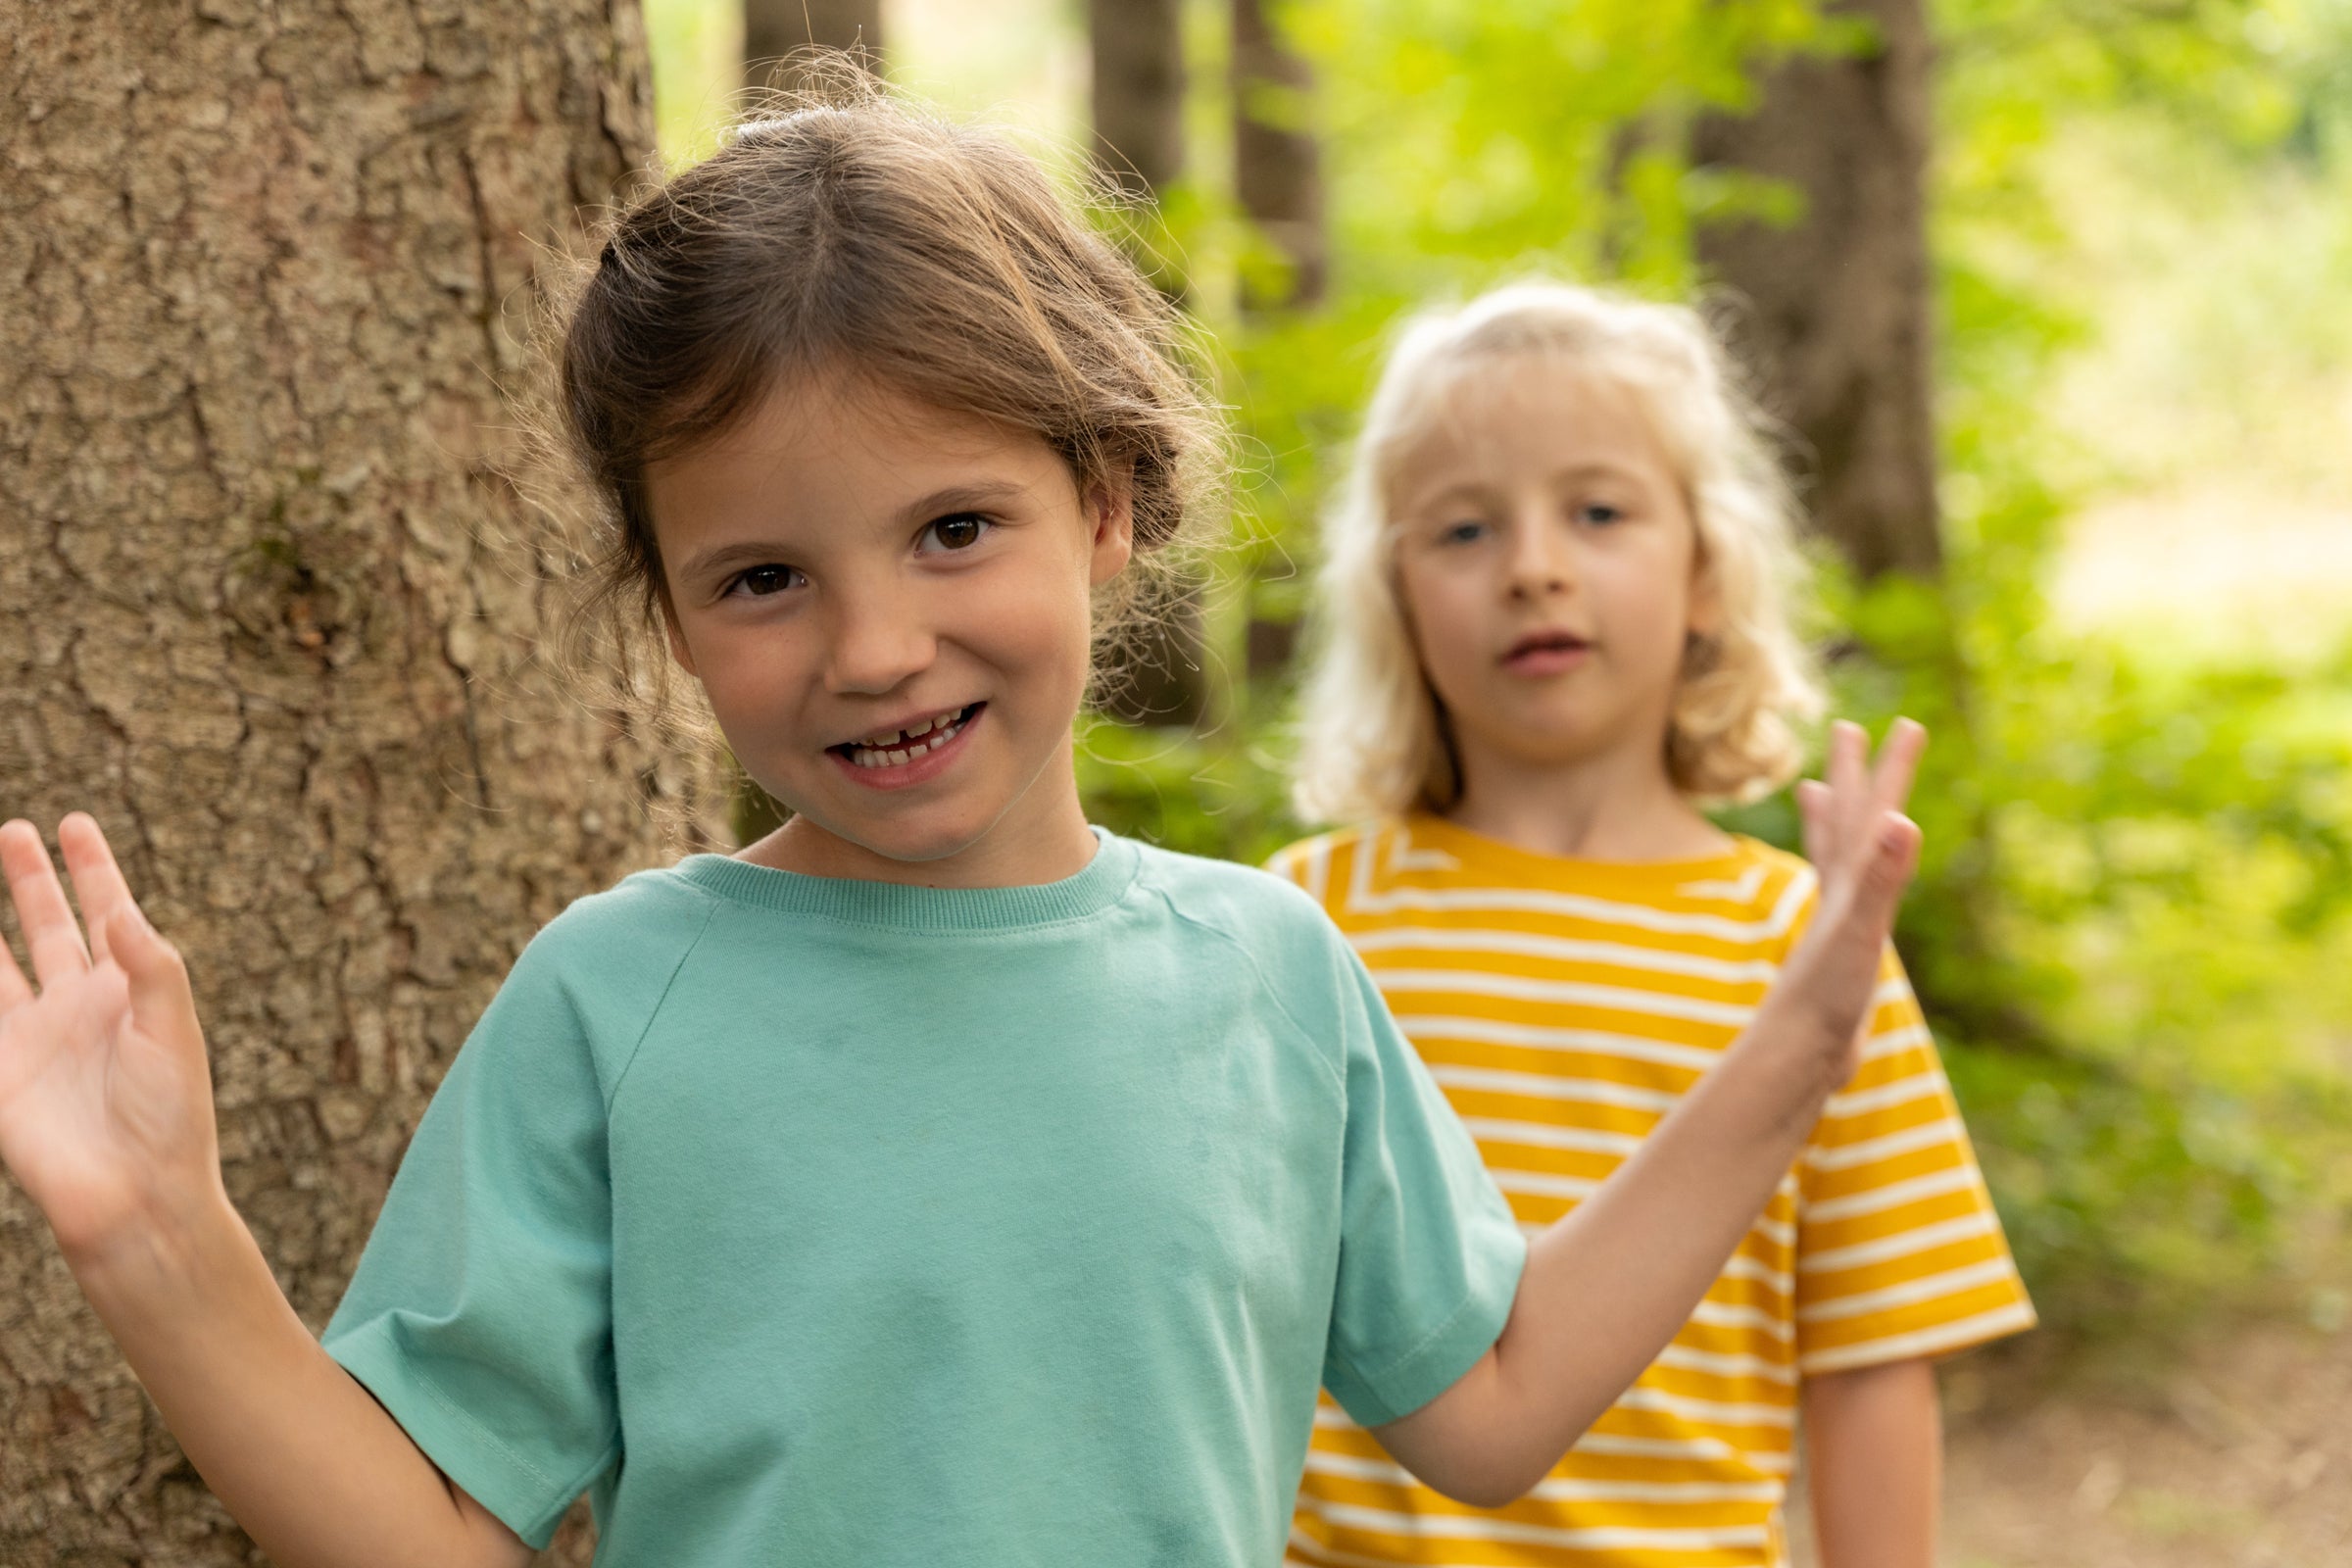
(2236, 1452)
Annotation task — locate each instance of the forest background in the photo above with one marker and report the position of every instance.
(2118, 585)
(2132, 636)
(277, 596)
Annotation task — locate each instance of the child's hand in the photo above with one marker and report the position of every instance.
(1864, 850)
(106, 1102)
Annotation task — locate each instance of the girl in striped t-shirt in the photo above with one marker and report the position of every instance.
(1555, 626)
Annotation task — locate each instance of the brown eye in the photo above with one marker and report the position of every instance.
(959, 532)
(761, 581)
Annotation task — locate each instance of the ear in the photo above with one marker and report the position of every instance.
(679, 653)
(1110, 510)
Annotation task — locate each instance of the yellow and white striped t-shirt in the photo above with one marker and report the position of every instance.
(1564, 1007)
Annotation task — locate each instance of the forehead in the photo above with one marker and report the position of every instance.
(1527, 416)
(839, 448)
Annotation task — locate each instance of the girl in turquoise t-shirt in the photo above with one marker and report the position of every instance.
(937, 1178)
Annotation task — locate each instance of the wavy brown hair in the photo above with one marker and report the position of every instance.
(842, 231)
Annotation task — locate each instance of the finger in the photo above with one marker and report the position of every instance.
(1847, 748)
(160, 997)
(15, 989)
(98, 885)
(1812, 797)
(1893, 857)
(52, 939)
(1899, 766)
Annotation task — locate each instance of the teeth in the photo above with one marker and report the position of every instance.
(880, 750)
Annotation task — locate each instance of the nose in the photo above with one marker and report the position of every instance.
(877, 641)
(1538, 563)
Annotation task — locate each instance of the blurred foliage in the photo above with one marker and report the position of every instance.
(2147, 1010)
(2134, 923)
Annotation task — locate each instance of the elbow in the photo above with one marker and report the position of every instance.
(1485, 1495)
(1493, 1484)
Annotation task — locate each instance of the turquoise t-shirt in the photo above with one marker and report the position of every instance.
(822, 1222)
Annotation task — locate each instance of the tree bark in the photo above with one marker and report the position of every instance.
(1277, 168)
(1137, 93)
(271, 606)
(1840, 299)
(773, 28)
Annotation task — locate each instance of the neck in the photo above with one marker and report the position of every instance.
(1042, 837)
(1619, 806)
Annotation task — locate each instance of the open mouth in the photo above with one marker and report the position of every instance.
(899, 747)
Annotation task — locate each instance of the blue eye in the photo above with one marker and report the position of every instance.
(960, 532)
(1462, 534)
(1601, 512)
(762, 582)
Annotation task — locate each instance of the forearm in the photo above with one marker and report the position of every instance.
(1873, 1448)
(1607, 1288)
(300, 1453)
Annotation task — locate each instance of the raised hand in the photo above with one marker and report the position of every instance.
(106, 1101)
(1864, 850)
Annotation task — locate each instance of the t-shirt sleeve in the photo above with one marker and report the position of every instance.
(1429, 1255)
(479, 1314)
(1899, 1253)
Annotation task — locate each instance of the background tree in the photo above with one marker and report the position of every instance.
(1277, 169)
(1135, 101)
(1136, 93)
(271, 607)
(1835, 314)
(773, 28)
(1840, 302)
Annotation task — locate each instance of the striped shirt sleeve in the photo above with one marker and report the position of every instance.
(1899, 1252)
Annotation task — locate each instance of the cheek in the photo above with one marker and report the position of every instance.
(1034, 616)
(1442, 610)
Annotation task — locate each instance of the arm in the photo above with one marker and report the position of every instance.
(1607, 1288)
(105, 1119)
(1873, 1445)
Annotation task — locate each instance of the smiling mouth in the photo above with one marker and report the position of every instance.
(897, 748)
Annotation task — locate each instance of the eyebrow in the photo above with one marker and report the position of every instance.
(938, 503)
(1604, 469)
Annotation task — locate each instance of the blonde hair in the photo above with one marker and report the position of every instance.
(1374, 739)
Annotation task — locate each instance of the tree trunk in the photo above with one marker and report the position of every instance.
(1277, 170)
(273, 610)
(1840, 299)
(773, 28)
(1137, 100)
(1137, 95)
(1842, 320)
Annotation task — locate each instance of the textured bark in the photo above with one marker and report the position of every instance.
(1277, 169)
(269, 608)
(773, 28)
(1841, 299)
(1137, 94)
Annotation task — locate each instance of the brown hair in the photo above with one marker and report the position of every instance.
(844, 231)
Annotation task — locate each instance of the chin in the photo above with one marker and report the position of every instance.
(910, 842)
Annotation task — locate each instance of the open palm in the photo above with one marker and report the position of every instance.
(106, 1102)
